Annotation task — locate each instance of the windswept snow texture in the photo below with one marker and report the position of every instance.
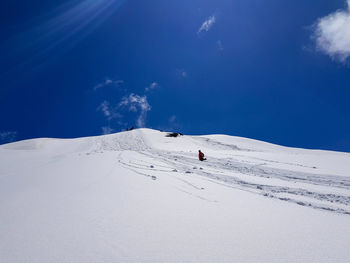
(139, 196)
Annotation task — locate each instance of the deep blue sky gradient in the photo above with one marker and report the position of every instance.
(268, 82)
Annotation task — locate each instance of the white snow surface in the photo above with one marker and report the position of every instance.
(139, 196)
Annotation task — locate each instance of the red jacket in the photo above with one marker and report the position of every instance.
(201, 156)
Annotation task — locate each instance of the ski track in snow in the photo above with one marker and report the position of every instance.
(230, 172)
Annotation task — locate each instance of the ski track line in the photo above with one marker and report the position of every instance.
(195, 195)
(267, 190)
(223, 171)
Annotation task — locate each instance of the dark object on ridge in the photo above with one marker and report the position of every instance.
(173, 134)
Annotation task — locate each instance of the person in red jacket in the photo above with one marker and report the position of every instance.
(201, 156)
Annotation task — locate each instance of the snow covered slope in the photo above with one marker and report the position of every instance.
(139, 196)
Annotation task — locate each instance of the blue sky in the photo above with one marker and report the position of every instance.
(271, 70)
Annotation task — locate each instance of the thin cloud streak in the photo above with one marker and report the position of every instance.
(152, 86)
(207, 24)
(108, 82)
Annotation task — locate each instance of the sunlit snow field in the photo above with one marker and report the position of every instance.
(139, 196)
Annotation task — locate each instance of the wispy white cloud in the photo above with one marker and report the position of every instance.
(207, 24)
(332, 34)
(107, 130)
(108, 111)
(108, 82)
(120, 112)
(7, 136)
(152, 86)
(105, 108)
(137, 103)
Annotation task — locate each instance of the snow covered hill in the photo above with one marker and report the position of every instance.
(139, 196)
